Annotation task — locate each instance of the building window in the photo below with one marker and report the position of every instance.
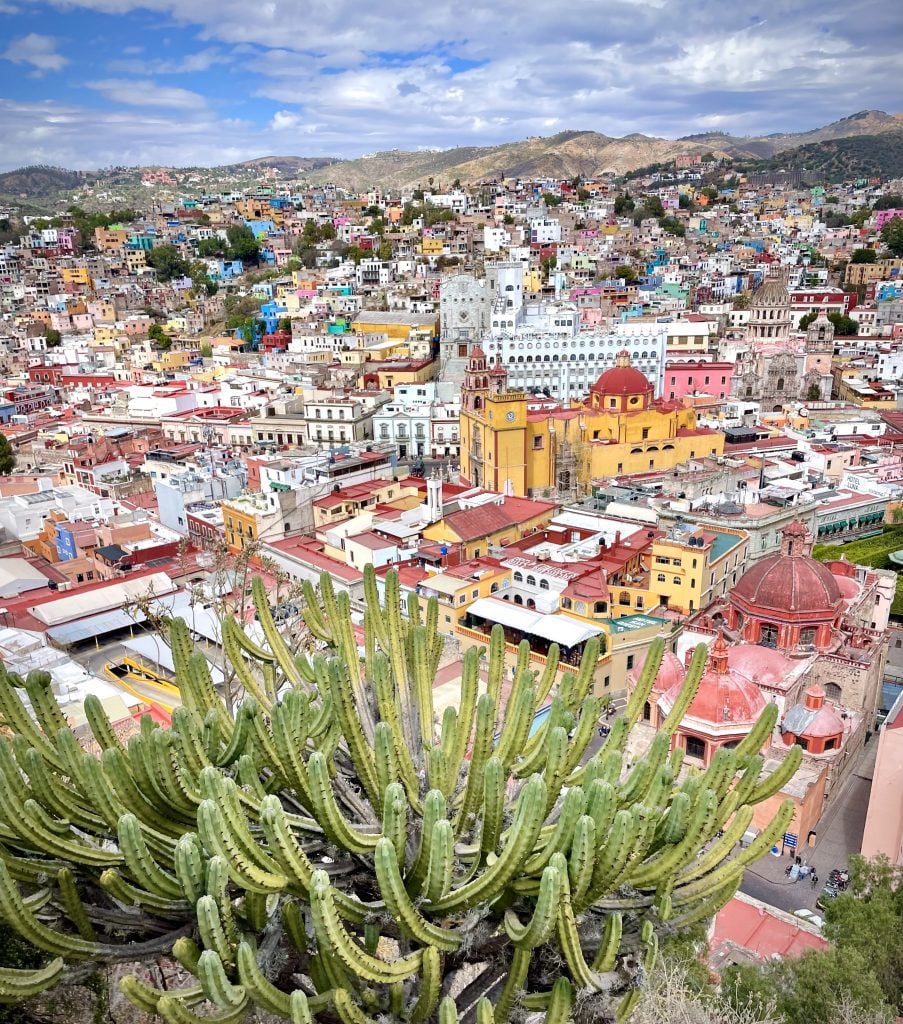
(647, 712)
(531, 581)
(543, 584)
(538, 443)
(629, 662)
(518, 577)
(833, 692)
(695, 747)
(660, 578)
(768, 636)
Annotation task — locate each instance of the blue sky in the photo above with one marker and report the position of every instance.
(88, 83)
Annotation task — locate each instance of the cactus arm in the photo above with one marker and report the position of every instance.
(721, 849)
(752, 742)
(612, 859)
(518, 719)
(395, 819)
(37, 828)
(645, 682)
(687, 690)
(470, 682)
(582, 857)
(434, 810)
(541, 925)
(496, 665)
(384, 756)
(272, 635)
(348, 714)
(667, 862)
(562, 833)
(611, 940)
(212, 932)
(16, 985)
(131, 896)
(423, 684)
(514, 983)
(430, 983)
(482, 751)
(260, 989)
(101, 727)
(18, 720)
(328, 813)
(232, 626)
(778, 778)
(173, 1009)
(528, 818)
(547, 679)
(217, 987)
(442, 861)
(749, 779)
(347, 1009)
(189, 867)
(313, 615)
(332, 935)
(219, 840)
(400, 906)
(494, 778)
(75, 909)
(569, 941)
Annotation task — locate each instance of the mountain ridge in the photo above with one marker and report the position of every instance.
(566, 154)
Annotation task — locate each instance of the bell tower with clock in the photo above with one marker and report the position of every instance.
(493, 428)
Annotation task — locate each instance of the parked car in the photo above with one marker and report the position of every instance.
(811, 917)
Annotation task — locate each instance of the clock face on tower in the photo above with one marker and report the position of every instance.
(509, 416)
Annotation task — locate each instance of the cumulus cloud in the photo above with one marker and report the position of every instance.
(56, 132)
(351, 78)
(37, 50)
(144, 92)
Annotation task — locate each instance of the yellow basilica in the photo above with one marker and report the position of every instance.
(535, 447)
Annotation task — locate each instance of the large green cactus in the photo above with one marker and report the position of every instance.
(333, 849)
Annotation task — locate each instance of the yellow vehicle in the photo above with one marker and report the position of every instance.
(147, 683)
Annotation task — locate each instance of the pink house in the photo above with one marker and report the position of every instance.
(883, 216)
(697, 376)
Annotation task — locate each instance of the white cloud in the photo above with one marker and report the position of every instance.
(38, 51)
(80, 137)
(349, 77)
(144, 92)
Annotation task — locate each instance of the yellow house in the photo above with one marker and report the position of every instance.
(542, 449)
(455, 589)
(77, 275)
(470, 532)
(691, 567)
(398, 325)
(173, 359)
(431, 246)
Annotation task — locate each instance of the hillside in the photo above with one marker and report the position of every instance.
(564, 155)
(864, 123)
(38, 181)
(860, 156)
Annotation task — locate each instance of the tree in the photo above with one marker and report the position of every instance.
(672, 226)
(385, 250)
(815, 987)
(212, 246)
(844, 326)
(7, 456)
(623, 204)
(206, 350)
(864, 256)
(159, 337)
(685, 202)
(322, 845)
(242, 244)
(53, 337)
(813, 393)
(627, 272)
(892, 201)
(284, 323)
(892, 236)
(867, 919)
(168, 262)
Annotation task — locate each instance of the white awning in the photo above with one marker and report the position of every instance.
(563, 630)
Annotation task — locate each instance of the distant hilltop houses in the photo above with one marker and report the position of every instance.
(575, 406)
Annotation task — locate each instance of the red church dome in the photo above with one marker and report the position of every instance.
(789, 584)
(785, 584)
(623, 379)
(724, 696)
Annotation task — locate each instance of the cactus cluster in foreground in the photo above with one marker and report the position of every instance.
(334, 853)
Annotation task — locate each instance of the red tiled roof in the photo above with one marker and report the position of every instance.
(762, 933)
(484, 520)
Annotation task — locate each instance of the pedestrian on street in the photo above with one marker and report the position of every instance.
(814, 879)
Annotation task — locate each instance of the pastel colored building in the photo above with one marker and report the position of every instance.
(697, 377)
